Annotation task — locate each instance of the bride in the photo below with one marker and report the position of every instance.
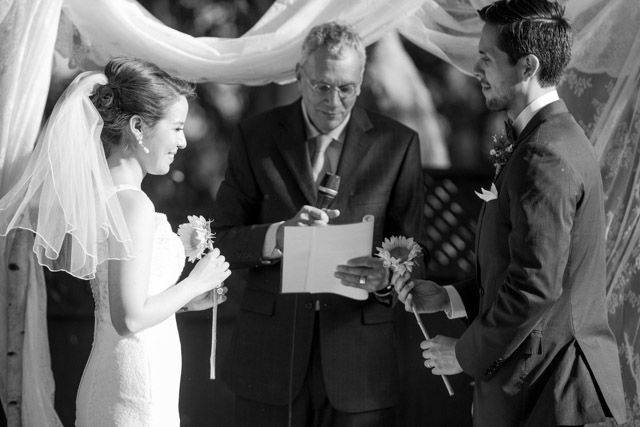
(81, 196)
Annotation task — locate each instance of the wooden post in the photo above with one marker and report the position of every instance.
(18, 275)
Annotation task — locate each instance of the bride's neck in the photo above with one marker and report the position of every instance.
(125, 170)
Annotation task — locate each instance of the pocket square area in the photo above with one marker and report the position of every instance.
(488, 195)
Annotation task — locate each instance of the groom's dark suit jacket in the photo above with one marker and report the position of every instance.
(268, 180)
(539, 344)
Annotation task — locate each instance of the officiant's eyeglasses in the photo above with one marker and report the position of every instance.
(325, 89)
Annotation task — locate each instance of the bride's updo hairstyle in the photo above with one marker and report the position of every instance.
(135, 87)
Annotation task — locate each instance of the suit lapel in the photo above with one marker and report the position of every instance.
(291, 139)
(356, 145)
(556, 107)
(477, 244)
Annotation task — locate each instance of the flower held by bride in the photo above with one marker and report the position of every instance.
(196, 237)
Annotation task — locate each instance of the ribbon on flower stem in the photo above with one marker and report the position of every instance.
(197, 240)
(214, 334)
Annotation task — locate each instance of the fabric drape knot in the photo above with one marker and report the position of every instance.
(320, 162)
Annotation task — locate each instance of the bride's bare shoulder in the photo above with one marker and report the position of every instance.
(137, 208)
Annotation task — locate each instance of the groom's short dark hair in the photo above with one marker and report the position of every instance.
(533, 27)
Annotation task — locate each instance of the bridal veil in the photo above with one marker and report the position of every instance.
(65, 193)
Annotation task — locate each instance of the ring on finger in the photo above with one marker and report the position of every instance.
(363, 280)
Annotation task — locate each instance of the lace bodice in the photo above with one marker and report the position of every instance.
(133, 380)
(167, 263)
(168, 256)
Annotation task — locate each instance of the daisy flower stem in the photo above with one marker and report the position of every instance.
(214, 335)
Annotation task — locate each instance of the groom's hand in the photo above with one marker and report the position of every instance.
(427, 296)
(440, 355)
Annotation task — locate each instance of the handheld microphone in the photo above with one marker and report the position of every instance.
(327, 190)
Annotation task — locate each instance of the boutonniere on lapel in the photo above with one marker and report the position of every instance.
(501, 150)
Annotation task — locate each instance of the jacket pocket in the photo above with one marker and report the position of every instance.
(532, 344)
(373, 312)
(258, 302)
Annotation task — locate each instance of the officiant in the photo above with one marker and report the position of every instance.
(317, 359)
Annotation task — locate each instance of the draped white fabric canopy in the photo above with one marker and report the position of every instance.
(601, 88)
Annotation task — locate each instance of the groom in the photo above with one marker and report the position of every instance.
(538, 343)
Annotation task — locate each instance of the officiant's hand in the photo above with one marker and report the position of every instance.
(440, 355)
(366, 273)
(306, 216)
(427, 296)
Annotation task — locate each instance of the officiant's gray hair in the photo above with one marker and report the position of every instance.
(333, 37)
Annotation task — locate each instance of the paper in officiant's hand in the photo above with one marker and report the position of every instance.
(312, 254)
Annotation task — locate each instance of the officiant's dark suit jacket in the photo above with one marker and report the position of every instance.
(268, 180)
(539, 343)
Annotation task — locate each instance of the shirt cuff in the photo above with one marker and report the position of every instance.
(456, 306)
(269, 249)
(384, 296)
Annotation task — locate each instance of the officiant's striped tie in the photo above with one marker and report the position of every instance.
(320, 162)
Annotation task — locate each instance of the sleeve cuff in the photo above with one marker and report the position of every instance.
(384, 292)
(384, 296)
(456, 306)
(269, 249)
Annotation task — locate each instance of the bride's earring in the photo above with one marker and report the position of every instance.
(145, 149)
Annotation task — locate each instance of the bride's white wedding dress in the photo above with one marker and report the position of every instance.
(134, 381)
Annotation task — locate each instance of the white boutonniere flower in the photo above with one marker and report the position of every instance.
(488, 195)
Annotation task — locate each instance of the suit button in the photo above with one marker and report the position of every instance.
(308, 305)
(482, 291)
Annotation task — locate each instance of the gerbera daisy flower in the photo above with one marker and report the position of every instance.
(398, 253)
(196, 237)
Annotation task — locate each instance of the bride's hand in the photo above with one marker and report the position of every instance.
(210, 271)
(205, 301)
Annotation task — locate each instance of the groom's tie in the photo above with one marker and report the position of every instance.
(510, 131)
(320, 162)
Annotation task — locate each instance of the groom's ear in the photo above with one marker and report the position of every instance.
(528, 67)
